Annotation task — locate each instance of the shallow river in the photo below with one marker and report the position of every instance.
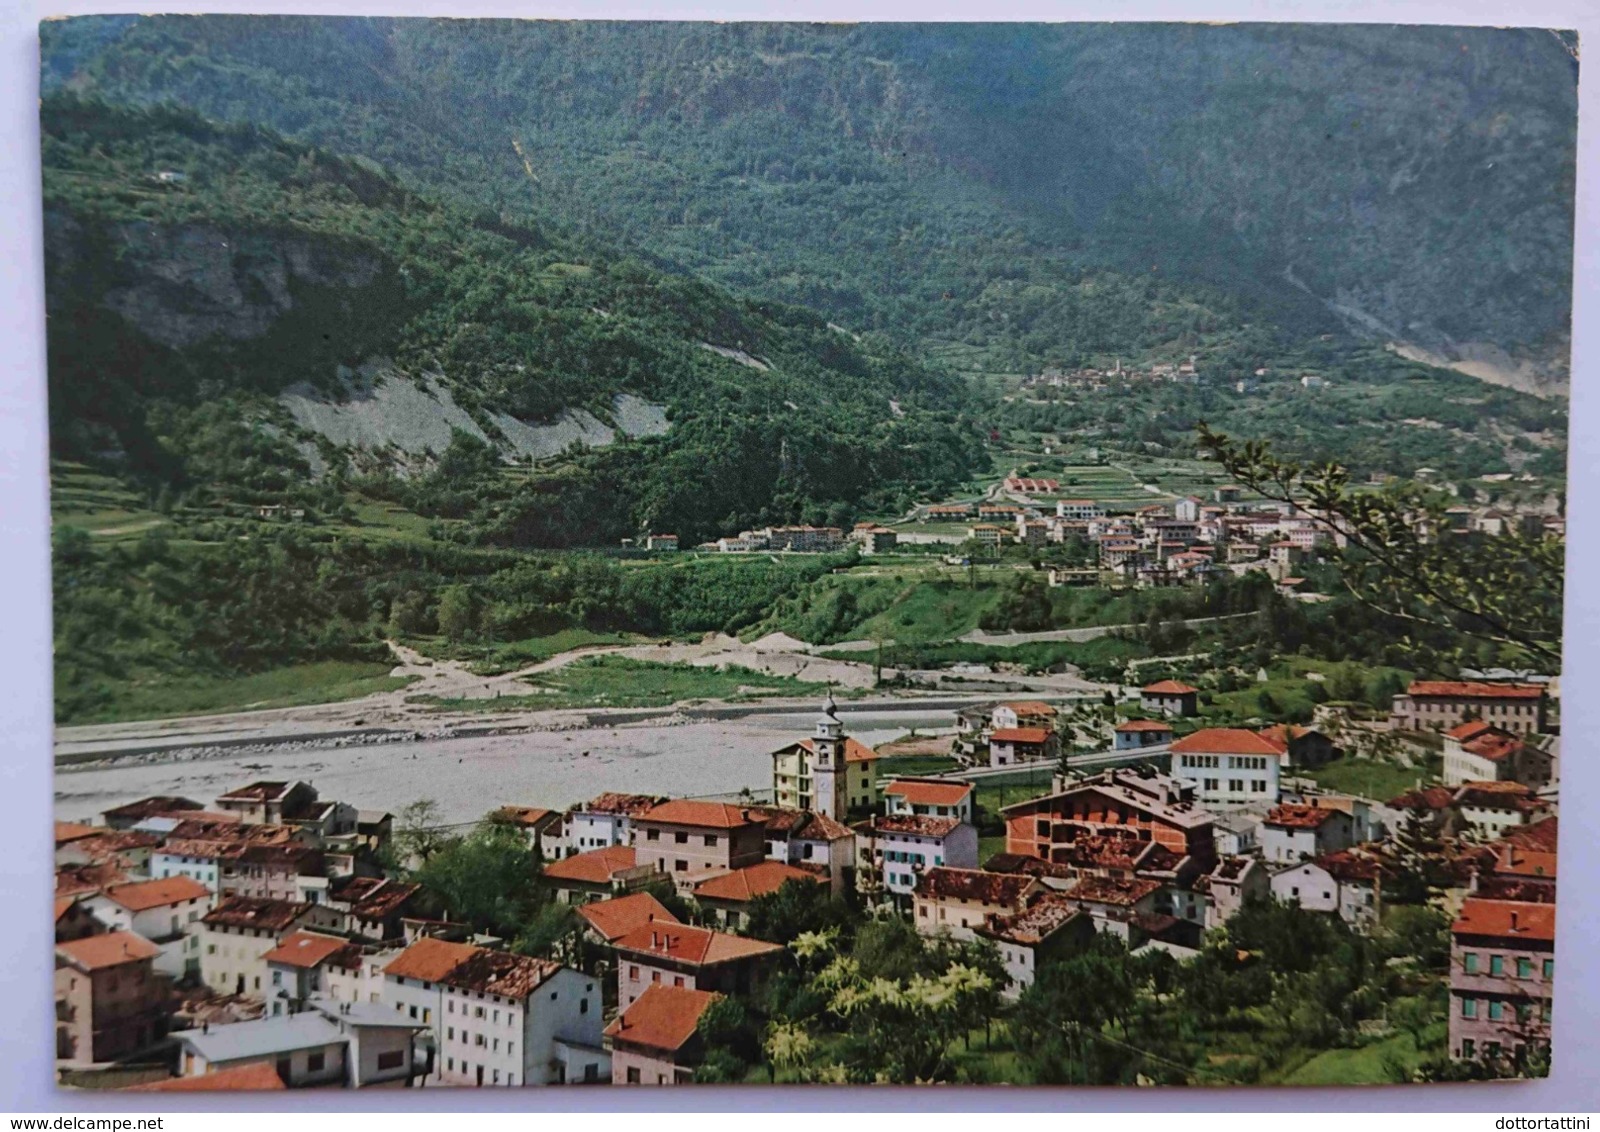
(469, 777)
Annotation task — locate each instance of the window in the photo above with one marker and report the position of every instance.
(392, 1059)
(583, 1006)
(653, 835)
(1469, 962)
(1468, 1047)
(633, 1075)
(1469, 1008)
(450, 1034)
(680, 866)
(413, 1012)
(1491, 1050)
(1496, 1010)
(1497, 965)
(1549, 968)
(633, 972)
(316, 1062)
(681, 837)
(711, 839)
(655, 976)
(677, 980)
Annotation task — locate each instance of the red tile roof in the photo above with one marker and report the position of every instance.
(74, 880)
(429, 960)
(71, 831)
(253, 912)
(1493, 744)
(702, 815)
(1111, 890)
(662, 1018)
(1511, 860)
(1507, 919)
(1291, 815)
(1469, 689)
(141, 895)
(1045, 915)
(64, 905)
(597, 866)
(305, 949)
(615, 918)
(1227, 741)
(743, 885)
(1347, 866)
(1430, 797)
(1033, 735)
(913, 824)
(614, 803)
(1468, 729)
(855, 751)
(150, 807)
(944, 883)
(1030, 707)
(254, 1076)
(1144, 725)
(694, 946)
(922, 792)
(527, 816)
(1168, 688)
(256, 792)
(802, 825)
(1539, 835)
(97, 952)
(500, 972)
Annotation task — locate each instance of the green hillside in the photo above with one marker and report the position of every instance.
(1014, 194)
(196, 273)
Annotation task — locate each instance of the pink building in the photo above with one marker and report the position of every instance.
(654, 1041)
(689, 840)
(1502, 967)
(681, 955)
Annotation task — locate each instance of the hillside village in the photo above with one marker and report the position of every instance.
(278, 939)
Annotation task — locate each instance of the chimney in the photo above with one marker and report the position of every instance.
(1514, 920)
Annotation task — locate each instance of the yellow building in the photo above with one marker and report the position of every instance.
(828, 773)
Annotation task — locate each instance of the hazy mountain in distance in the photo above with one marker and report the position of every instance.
(952, 183)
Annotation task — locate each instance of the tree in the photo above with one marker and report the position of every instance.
(456, 613)
(799, 907)
(418, 832)
(489, 879)
(728, 1038)
(1404, 562)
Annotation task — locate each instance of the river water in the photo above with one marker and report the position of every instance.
(470, 776)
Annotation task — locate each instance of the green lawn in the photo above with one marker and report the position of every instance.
(610, 681)
(1367, 778)
(322, 682)
(1364, 1065)
(897, 766)
(498, 659)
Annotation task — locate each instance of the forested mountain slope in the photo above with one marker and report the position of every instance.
(228, 308)
(1018, 195)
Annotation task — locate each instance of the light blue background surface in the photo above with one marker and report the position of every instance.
(26, 1034)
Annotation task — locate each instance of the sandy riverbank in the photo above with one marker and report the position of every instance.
(469, 776)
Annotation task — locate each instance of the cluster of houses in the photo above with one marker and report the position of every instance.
(1094, 380)
(262, 944)
(1160, 544)
(801, 539)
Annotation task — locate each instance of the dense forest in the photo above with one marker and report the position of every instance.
(975, 187)
(196, 271)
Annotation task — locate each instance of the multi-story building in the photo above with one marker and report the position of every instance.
(604, 821)
(828, 773)
(1502, 968)
(1438, 705)
(1079, 509)
(353, 1045)
(499, 1018)
(681, 955)
(929, 798)
(165, 912)
(725, 898)
(808, 539)
(110, 1001)
(656, 1041)
(269, 803)
(1229, 766)
(1227, 887)
(1009, 746)
(1491, 809)
(1170, 698)
(1296, 832)
(1348, 885)
(237, 933)
(811, 841)
(1136, 733)
(1143, 806)
(955, 902)
(688, 840)
(599, 874)
(543, 829)
(893, 849)
(1476, 751)
(1051, 925)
